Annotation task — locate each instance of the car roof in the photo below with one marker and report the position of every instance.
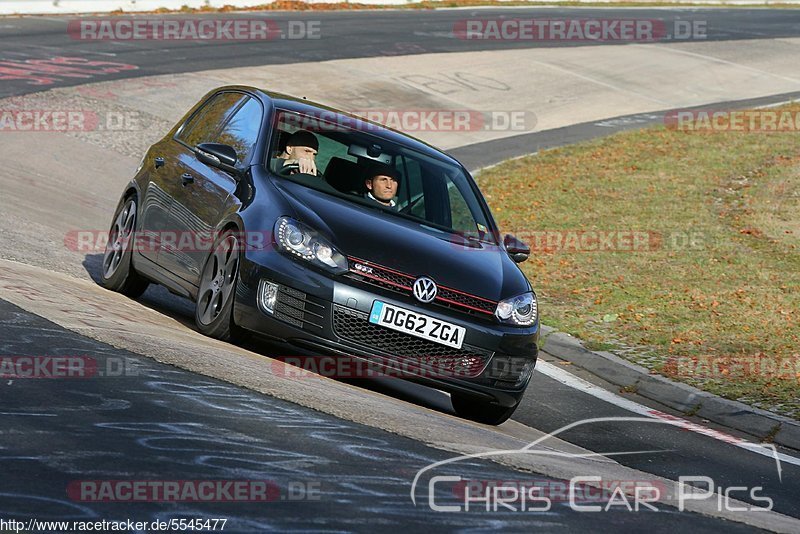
(308, 107)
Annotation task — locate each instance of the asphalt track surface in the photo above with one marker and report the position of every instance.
(342, 35)
(173, 424)
(160, 423)
(27, 41)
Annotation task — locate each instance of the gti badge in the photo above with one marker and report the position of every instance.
(363, 268)
(425, 289)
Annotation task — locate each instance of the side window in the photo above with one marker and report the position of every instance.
(203, 126)
(241, 131)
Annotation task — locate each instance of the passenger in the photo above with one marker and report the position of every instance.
(382, 182)
(301, 148)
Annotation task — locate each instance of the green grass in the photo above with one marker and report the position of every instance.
(722, 280)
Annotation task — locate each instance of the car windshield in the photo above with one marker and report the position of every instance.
(434, 192)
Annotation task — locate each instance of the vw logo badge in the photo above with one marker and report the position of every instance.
(425, 289)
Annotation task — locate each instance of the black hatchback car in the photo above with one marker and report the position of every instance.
(314, 264)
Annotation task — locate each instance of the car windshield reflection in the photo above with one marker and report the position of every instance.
(344, 157)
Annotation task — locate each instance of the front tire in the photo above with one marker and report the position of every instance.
(117, 272)
(214, 307)
(481, 411)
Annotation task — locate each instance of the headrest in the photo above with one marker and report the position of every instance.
(345, 176)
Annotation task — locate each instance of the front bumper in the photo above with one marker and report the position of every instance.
(321, 314)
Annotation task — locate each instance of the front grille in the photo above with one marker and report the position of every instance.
(378, 275)
(354, 326)
(462, 299)
(382, 276)
(296, 308)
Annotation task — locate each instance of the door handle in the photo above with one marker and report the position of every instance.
(187, 178)
(159, 162)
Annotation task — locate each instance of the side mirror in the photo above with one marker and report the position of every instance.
(517, 250)
(218, 155)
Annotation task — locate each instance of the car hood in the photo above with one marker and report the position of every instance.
(368, 234)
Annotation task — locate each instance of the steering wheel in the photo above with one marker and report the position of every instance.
(292, 168)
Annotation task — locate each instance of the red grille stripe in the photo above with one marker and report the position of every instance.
(468, 295)
(381, 280)
(453, 302)
(443, 289)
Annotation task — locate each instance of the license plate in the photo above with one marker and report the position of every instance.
(417, 324)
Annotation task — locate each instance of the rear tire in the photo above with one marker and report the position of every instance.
(117, 272)
(481, 411)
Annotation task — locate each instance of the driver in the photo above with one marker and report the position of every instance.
(301, 149)
(382, 182)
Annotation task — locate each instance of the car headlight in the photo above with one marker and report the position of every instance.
(301, 241)
(521, 310)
